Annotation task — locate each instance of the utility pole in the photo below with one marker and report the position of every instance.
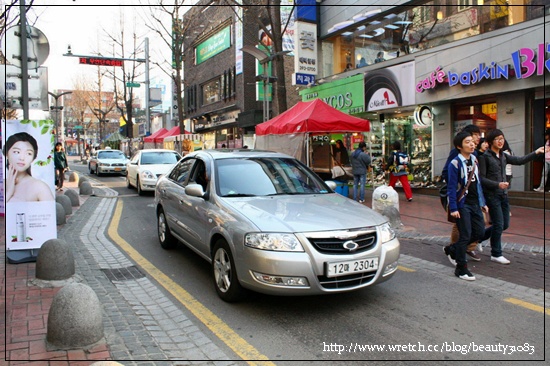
(24, 60)
(60, 135)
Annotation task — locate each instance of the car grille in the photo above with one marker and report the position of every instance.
(336, 246)
(346, 281)
(117, 164)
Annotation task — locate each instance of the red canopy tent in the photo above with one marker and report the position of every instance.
(172, 132)
(313, 116)
(289, 132)
(151, 138)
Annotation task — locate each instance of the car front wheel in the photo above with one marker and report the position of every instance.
(138, 186)
(225, 275)
(167, 241)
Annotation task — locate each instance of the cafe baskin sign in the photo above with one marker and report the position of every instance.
(346, 95)
(213, 45)
(526, 62)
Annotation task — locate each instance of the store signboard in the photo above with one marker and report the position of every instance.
(29, 199)
(305, 49)
(238, 38)
(213, 45)
(391, 87)
(346, 95)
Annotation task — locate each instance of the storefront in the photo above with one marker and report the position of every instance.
(492, 87)
(220, 130)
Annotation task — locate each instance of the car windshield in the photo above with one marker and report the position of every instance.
(110, 155)
(159, 157)
(265, 176)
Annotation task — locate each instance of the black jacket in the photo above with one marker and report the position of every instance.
(493, 169)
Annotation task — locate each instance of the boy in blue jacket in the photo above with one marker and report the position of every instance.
(468, 209)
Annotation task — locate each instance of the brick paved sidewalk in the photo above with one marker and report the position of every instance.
(26, 307)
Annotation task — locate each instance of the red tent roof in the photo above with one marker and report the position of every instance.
(172, 132)
(313, 116)
(151, 138)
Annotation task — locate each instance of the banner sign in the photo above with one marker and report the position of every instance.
(29, 177)
(213, 45)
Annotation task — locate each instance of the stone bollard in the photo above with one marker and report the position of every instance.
(82, 180)
(73, 196)
(60, 214)
(55, 261)
(66, 203)
(86, 189)
(73, 177)
(74, 319)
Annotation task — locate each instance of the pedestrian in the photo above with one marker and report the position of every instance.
(340, 153)
(60, 163)
(466, 202)
(360, 162)
(379, 57)
(546, 166)
(507, 150)
(349, 66)
(21, 150)
(492, 166)
(398, 166)
(473, 247)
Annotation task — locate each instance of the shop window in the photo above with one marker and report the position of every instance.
(465, 4)
(211, 92)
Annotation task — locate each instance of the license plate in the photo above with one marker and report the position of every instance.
(334, 269)
(118, 169)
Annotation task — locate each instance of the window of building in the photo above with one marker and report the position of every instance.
(463, 4)
(211, 91)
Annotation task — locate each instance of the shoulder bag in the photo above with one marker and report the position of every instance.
(451, 218)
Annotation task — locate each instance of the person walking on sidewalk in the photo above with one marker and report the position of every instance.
(546, 166)
(466, 202)
(360, 162)
(475, 132)
(492, 166)
(60, 162)
(398, 164)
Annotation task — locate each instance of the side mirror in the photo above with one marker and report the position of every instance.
(331, 184)
(194, 190)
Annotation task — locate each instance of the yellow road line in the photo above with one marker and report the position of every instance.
(241, 347)
(405, 269)
(528, 305)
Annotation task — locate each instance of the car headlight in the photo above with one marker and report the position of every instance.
(103, 164)
(273, 241)
(386, 232)
(148, 175)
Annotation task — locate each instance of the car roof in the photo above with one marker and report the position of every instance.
(237, 153)
(110, 150)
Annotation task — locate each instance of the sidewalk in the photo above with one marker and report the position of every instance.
(141, 325)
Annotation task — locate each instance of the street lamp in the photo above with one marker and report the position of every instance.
(58, 127)
(101, 120)
(263, 58)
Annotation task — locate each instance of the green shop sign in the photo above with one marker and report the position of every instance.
(346, 95)
(213, 45)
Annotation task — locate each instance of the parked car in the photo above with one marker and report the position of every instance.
(107, 161)
(267, 223)
(146, 166)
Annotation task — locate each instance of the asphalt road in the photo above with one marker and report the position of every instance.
(423, 308)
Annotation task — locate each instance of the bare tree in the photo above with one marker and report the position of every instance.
(127, 73)
(167, 23)
(269, 20)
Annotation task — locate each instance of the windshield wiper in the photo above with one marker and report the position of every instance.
(239, 195)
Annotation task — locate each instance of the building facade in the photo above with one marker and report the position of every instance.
(422, 71)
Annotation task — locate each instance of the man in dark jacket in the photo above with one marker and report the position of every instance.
(492, 166)
(360, 162)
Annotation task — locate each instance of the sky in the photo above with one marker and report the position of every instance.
(80, 23)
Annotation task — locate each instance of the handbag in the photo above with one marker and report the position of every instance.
(337, 171)
(451, 218)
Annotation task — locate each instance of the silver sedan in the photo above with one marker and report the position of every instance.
(267, 223)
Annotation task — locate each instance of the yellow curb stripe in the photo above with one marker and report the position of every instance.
(405, 269)
(240, 346)
(528, 305)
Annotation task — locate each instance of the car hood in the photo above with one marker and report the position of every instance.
(304, 213)
(156, 168)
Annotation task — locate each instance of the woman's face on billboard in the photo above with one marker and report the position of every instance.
(21, 155)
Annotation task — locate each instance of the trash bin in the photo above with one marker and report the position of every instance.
(342, 188)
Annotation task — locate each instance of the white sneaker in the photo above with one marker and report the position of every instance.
(538, 189)
(500, 260)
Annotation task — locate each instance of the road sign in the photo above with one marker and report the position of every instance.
(100, 61)
(133, 85)
(303, 79)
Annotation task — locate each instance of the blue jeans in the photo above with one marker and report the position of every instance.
(471, 227)
(362, 179)
(499, 209)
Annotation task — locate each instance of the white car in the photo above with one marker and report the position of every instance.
(146, 166)
(108, 161)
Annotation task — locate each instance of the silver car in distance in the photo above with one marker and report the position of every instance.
(267, 223)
